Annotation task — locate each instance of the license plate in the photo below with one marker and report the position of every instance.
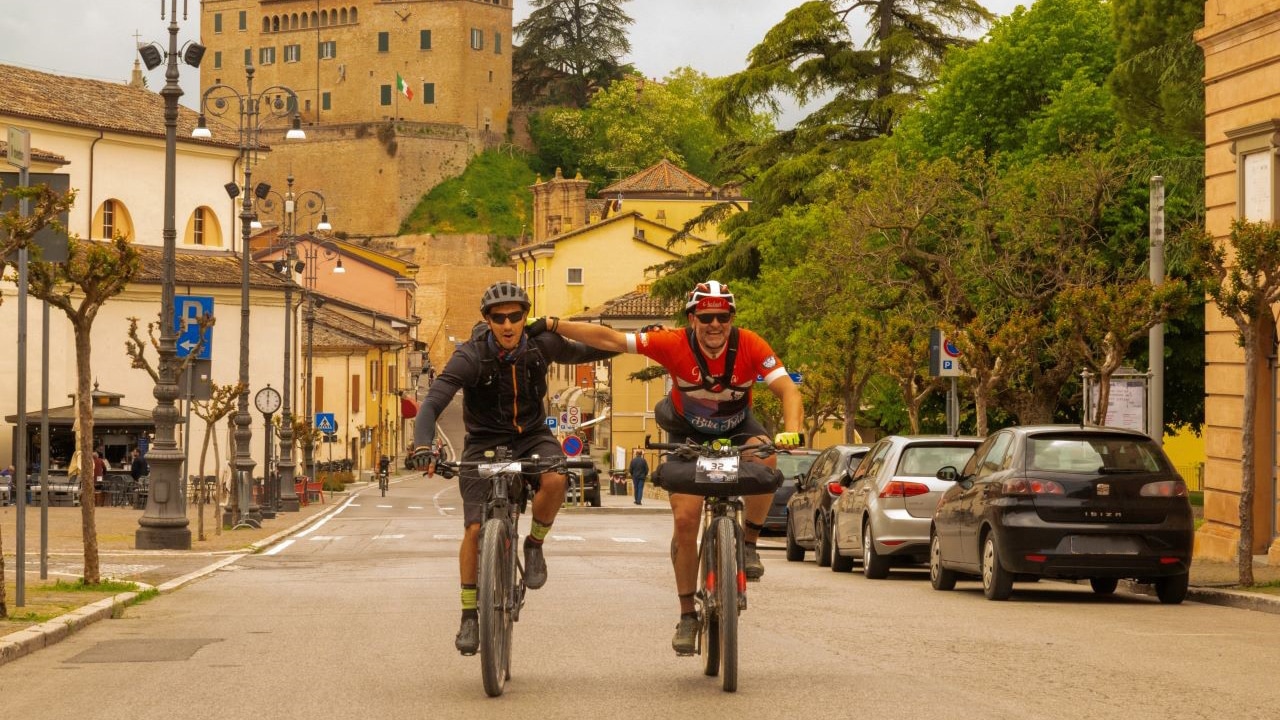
(1103, 545)
(716, 470)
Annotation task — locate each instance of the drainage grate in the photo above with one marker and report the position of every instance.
(121, 651)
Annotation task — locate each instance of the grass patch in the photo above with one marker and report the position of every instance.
(490, 197)
(46, 601)
(111, 587)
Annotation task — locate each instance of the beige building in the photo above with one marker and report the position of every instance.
(395, 97)
(1242, 180)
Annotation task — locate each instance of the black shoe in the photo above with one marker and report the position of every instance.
(685, 641)
(752, 566)
(535, 566)
(468, 639)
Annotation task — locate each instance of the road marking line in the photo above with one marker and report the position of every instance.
(387, 537)
(415, 507)
(629, 540)
(355, 504)
(277, 548)
(385, 506)
(446, 537)
(328, 537)
(572, 538)
(313, 527)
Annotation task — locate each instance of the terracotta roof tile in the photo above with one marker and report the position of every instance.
(635, 305)
(36, 154)
(96, 104)
(665, 178)
(203, 267)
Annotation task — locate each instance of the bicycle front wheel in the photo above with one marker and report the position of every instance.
(494, 593)
(728, 579)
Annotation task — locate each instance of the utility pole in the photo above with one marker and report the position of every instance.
(1155, 336)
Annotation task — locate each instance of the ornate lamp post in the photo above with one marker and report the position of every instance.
(253, 112)
(314, 250)
(312, 203)
(164, 524)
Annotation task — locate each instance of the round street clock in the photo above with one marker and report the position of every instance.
(267, 400)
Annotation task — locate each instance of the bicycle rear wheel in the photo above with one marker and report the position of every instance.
(727, 583)
(494, 592)
(709, 634)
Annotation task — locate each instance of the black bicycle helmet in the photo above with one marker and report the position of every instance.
(503, 292)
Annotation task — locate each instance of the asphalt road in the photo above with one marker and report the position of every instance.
(356, 618)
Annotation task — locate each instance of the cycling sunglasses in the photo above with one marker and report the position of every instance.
(500, 318)
(708, 318)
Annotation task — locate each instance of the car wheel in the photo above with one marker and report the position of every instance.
(1172, 590)
(1104, 586)
(997, 583)
(795, 553)
(821, 542)
(939, 577)
(839, 563)
(594, 498)
(874, 565)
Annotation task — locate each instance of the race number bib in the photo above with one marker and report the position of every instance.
(716, 470)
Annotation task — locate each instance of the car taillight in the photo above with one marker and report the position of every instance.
(835, 488)
(898, 488)
(1165, 488)
(1031, 486)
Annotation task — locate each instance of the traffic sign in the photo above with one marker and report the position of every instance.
(944, 356)
(187, 311)
(326, 423)
(572, 445)
(552, 422)
(574, 414)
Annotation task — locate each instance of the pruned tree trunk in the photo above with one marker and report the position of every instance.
(84, 442)
(201, 501)
(4, 608)
(1244, 550)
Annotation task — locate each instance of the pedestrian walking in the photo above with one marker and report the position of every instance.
(639, 470)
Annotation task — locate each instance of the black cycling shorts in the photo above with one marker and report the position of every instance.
(475, 490)
(679, 430)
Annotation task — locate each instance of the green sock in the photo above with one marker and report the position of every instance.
(468, 598)
(538, 531)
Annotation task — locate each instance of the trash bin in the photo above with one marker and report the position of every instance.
(617, 482)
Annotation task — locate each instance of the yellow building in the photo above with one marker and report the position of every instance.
(589, 253)
(1242, 140)
(394, 97)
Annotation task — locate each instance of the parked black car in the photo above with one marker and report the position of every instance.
(1064, 501)
(809, 508)
(588, 482)
(793, 464)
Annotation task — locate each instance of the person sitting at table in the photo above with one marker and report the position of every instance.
(138, 469)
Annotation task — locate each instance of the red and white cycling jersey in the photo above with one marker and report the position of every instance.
(723, 407)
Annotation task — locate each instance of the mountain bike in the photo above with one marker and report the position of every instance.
(500, 591)
(383, 480)
(717, 474)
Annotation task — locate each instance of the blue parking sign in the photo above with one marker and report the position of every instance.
(187, 311)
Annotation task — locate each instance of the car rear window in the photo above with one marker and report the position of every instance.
(792, 464)
(927, 460)
(1094, 453)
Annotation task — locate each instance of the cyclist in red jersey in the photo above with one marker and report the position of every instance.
(713, 366)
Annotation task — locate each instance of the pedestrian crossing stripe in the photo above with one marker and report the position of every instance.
(387, 537)
(628, 540)
(574, 538)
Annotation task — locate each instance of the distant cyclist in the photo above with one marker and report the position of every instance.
(713, 368)
(502, 373)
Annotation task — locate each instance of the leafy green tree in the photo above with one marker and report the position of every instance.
(568, 49)
(1158, 79)
(93, 273)
(1244, 285)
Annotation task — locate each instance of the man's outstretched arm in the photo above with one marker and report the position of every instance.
(601, 337)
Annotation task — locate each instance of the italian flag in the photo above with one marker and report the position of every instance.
(403, 87)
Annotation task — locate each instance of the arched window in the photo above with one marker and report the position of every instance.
(293, 21)
(354, 17)
(324, 18)
(275, 23)
(266, 24)
(306, 19)
(315, 19)
(343, 15)
(111, 220)
(203, 228)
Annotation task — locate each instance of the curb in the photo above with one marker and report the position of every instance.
(1257, 602)
(28, 640)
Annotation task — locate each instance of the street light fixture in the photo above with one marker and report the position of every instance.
(253, 112)
(312, 202)
(164, 524)
(316, 249)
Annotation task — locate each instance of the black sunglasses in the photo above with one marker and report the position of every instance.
(513, 317)
(708, 318)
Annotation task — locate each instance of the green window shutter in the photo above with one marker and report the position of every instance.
(248, 56)
(384, 41)
(386, 94)
(428, 93)
(424, 40)
(217, 22)
(217, 59)
(244, 20)
(324, 101)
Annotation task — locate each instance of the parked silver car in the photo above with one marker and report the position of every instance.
(884, 515)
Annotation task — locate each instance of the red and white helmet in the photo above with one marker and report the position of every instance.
(710, 295)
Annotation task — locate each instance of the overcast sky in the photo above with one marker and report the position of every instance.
(95, 38)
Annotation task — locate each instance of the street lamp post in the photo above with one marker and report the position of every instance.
(164, 524)
(312, 203)
(314, 248)
(252, 111)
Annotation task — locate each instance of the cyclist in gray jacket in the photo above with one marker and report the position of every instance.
(502, 373)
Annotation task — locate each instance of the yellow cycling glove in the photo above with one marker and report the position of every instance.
(788, 439)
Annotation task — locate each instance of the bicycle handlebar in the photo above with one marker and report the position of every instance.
(530, 466)
(764, 449)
